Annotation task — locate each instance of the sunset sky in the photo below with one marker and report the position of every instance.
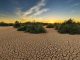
(39, 9)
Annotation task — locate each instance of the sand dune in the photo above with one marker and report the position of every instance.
(16, 45)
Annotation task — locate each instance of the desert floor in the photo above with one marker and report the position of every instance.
(18, 45)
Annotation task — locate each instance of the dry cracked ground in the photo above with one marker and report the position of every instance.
(16, 45)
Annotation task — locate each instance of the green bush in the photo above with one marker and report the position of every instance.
(69, 27)
(57, 26)
(22, 28)
(50, 26)
(33, 28)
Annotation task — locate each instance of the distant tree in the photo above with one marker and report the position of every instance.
(3, 24)
(70, 21)
(17, 24)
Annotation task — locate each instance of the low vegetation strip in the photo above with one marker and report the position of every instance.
(67, 27)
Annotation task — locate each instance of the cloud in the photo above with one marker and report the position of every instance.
(18, 12)
(37, 9)
(40, 12)
(70, 1)
(75, 5)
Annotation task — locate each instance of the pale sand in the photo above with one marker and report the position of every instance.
(17, 45)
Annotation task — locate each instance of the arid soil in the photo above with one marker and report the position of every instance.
(18, 45)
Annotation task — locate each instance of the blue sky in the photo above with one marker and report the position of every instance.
(56, 9)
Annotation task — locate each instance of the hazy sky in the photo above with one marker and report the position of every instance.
(54, 9)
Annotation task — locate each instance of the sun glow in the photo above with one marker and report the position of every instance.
(30, 19)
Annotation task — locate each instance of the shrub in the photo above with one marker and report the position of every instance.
(36, 29)
(69, 27)
(50, 26)
(57, 26)
(33, 28)
(22, 28)
(16, 24)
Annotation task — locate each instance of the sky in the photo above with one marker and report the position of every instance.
(39, 9)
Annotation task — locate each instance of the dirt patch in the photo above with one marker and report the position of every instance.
(16, 45)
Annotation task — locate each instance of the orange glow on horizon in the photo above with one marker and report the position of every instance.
(9, 20)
